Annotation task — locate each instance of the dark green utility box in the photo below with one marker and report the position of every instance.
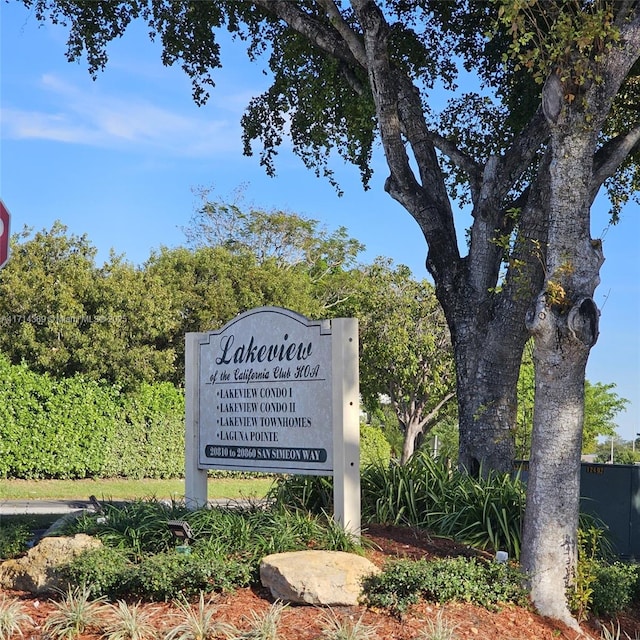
(611, 492)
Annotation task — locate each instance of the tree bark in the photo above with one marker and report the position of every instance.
(564, 323)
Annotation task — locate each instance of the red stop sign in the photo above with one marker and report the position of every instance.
(4, 234)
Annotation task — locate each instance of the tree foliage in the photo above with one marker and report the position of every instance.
(286, 239)
(64, 315)
(405, 350)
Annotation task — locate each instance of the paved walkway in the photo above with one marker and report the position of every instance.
(8, 507)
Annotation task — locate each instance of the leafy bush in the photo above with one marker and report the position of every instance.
(148, 441)
(397, 587)
(403, 582)
(425, 493)
(166, 576)
(53, 428)
(77, 428)
(614, 588)
(374, 447)
(13, 539)
(106, 572)
(163, 576)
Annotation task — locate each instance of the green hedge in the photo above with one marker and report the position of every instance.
(78, 428)
(53, 428)
(149, 436)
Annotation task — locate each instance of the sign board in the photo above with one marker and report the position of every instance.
(4, 234)
(265, 395)
(273, 391)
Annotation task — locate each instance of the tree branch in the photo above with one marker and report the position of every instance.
(611, 155)
(461, 160)
(352, 39)
(434, 412)
(328, 39)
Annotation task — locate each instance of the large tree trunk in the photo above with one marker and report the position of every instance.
(488, 333)
(564, 324)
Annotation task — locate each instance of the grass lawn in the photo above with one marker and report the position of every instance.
(123, 489)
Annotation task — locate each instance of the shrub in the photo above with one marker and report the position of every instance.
(403, 582)
(167, 576)
(148, 441)
(53, 428)
(374, 447)
(397, 587)
(105, 571)
(140, 559)
(614, 588)
(13, 539)
(76, 427)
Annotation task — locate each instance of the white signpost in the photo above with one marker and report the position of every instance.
(272, 391)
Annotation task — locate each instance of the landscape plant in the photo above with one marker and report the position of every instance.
(124, 621)
(197, 622)
(74, 613)
(403, 582)
(106, 571)
(137, 526)
(615, 586)
(263, 626)
(346, 628)
(140, 558)
(485, 513)
(402, 494)
(438, 629)
(14, 536)
(13, 618)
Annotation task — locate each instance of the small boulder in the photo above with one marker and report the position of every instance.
(37, 571)
(329, 578)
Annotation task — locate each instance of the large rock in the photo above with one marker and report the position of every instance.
(331, 578)
(38, 570)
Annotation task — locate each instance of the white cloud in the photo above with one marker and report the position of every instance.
(95, 118)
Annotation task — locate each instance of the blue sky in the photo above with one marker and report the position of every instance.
(121, 158)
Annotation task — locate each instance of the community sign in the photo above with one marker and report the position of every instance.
(265, 394)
